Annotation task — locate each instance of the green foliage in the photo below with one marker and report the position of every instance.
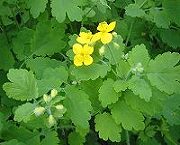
(52, 78)
(23, 85)
(24, 112)
(171, 110)
(125, 115)
(127, 94)
(62, 7)
(107, 127)
(75, 138)
(166, 77)
(139, 54)
(5, 63)
(78, 106)
(51, 137)
(107, 94)
(37, 7)
(86, 73)
(140, 87)
(114, 49)
(134, 10)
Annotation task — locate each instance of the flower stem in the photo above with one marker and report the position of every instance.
(130, 31)
(127, 137)
(113, 58)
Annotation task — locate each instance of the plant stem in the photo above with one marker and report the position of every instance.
(143, 3)
(129, 33)
(113, 58)
(86, 14)
(127, 137)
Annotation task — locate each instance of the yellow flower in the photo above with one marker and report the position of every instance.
(104, 33)
(84, 37)
(82, 54)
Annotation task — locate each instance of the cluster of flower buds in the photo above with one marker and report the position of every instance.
(48, 98)
(40, 110)
(138, 69)
(125, 56)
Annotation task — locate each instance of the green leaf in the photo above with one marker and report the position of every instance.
(139, 54)
(91, 87)
(113, 50)
(134, 10)
(163, 74)
(161, 18)
(47, 39)
(123, 68)
(37, 7)
(39, 64)
(22, 134)
(150, 141)
(170, 37)
(75, 138)
(140, 87)
(128, 117)
(78, 107)
(153, 107)
(120, 85)
(23, 85)
(107, 127)
(6, 57)
(22, 43)
(52, 79)
(24, 112)
(172, 8)
(90, 14)
(171, 110)
(12, 142)
(51, 138)
(62, 7)
(92, 71)
(107, 94)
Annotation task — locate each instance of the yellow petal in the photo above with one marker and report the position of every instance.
(87, 50)
(106, 38)
(77, 48)
(78, 60)
(111, 26)
(84, 38)
(81, 40)
(102, 26)
(88, 60)
(85, 34)
(96, 37)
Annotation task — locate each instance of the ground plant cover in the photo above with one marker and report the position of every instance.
(89, 72)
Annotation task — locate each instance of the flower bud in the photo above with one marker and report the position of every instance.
(125, 56)
(54, 93)
(51, 120)
(102, 50)
(116, 45)
(74, 82)
(39, 111)
(46, 98)
(59, 107)
(114, 34)
(139, 68)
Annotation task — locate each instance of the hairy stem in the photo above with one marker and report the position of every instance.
(127, 138)
(129, 33)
